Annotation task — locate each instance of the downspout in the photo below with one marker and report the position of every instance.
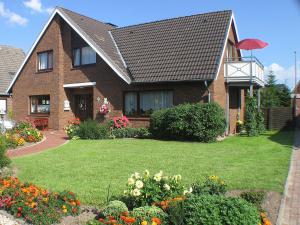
(208, 91)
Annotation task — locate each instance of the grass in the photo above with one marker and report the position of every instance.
(90, 167)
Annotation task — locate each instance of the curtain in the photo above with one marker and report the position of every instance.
(76, 57)
(88, 56)
(130, 103)
(3, 105)
(43, 57)
(150, 101)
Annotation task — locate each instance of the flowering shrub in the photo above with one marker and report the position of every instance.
(143, 190)
(127, 219)
(72, 128)
(121, 122)
(27, 131)
(212, 185)
(34, 204)
(14, 140)
(104, 109)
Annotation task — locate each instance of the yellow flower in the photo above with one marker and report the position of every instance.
(154, 223)
(64, 207)
(144, 223)
(65, 210)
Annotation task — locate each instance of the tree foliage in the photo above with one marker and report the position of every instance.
(275, 95)
(254, 119)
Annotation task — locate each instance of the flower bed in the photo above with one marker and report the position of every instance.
(23, 132)
(160, 199)
(34, 204)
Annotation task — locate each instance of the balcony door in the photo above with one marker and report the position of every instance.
(84, 106)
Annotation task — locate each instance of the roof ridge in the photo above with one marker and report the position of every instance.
(102, 22)
(173, 18)
(10, 46)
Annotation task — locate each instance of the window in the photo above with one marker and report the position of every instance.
(3, 105)
(45, 60)
(130, 103)
(144, 103)
(40, 104)
(84, 56)
(230, 51)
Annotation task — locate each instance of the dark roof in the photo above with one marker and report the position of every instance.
(10, 61)
(185, 48)
(99, 33)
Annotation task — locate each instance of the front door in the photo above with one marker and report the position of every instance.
(84, 106)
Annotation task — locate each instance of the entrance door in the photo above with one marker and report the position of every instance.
(84, 106)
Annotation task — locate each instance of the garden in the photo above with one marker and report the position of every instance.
(220, 182)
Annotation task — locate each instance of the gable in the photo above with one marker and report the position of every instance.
(116, 64)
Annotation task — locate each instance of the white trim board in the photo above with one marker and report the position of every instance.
(232, 21)
(77, 85)
(83, 35)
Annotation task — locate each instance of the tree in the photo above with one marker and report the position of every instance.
(275, 95)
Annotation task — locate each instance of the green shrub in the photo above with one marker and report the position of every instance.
(254, 118)
(129, 132)
(4, 160)
(199, 122)
(219, 210)
(254, 197)
(213, 185)
(260, 122)
(114, 208)
(149, 212)
(91, 129)
(176, 213)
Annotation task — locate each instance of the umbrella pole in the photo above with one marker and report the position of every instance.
(251, 83)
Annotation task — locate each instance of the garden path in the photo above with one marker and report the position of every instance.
(290, 207)
(52, 139)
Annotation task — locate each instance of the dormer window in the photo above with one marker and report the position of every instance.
(45, 60)
(83, 56)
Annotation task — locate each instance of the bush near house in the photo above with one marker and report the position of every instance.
(198, 122)
(254, 119)
(4, 160)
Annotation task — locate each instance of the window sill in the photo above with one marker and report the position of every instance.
(39, 114)
(43, 71)
(83, 66)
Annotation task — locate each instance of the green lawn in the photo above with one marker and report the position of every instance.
(89, 167)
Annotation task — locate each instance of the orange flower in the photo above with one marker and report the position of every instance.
(156, 220)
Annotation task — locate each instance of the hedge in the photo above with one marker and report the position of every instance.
(197, 122)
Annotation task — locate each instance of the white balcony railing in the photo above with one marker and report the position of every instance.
(244, 70)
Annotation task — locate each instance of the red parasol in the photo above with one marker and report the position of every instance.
(250, 44)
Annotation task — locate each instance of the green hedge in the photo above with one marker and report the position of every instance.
(130, 132)
(4, 160)
(91, 129)
(219, 210)
(198, 122)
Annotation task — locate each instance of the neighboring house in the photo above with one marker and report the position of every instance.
(77, 64)
(296, 100)
(10, 61)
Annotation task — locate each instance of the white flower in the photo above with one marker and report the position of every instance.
(157, 177)
(139, 184)
(131, 181)
(191, 190)
(185, 192)
(167, 187)
(136, 175)
(136, 192)
(177, 178)
(146, 173)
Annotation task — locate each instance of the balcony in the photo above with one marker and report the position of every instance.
(243, 71)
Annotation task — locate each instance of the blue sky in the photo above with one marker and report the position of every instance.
(274, 21)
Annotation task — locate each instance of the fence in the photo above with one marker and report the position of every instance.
(279, 118)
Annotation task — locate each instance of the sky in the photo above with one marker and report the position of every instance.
(274, 21)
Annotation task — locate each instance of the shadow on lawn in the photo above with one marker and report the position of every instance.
(284, 137)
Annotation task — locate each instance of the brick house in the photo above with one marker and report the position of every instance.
(10, 60)
(77, 64)
(296, 101)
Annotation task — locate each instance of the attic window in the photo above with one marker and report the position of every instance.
(83, 56)
(45, 60)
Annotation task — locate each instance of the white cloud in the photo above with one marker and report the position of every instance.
(37, 6)
(12, 17)
(284, 75)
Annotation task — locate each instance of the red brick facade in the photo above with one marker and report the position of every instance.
(60, 38)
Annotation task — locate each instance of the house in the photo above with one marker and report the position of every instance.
(10, 60)
(77, 65)
(296, 100)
